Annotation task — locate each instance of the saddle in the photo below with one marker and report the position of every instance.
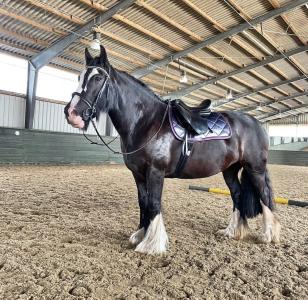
(195, 124)
(192, 118)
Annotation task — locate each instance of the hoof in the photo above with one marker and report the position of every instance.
(146, 248)
(155, 240)
(228, 232)
(241, 230)
(233, 232)
(271, 226)
(136, 237)
(272, 233)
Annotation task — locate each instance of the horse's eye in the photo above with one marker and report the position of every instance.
(98, 79)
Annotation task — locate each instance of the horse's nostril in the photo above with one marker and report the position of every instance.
(72, 112)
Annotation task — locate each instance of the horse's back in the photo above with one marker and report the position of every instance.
(245, 126)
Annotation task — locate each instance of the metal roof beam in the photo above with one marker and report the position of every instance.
(282, 112)
(48, 54)
(218, 37)
(45, 56)
(201, 84)
(260, 89)
(266, 104)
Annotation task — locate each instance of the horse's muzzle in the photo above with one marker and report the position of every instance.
(73, 118)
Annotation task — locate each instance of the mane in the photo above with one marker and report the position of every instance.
(143, 85)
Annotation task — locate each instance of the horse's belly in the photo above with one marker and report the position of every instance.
(208, 159)
(197, 169)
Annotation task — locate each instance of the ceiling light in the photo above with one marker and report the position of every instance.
(183, 78)
(229, 95)
(95, 43)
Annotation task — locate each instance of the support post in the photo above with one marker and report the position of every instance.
(31, 94)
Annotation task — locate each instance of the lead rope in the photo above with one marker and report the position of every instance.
(125, 153)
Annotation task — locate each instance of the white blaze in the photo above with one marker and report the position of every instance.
(76, 98)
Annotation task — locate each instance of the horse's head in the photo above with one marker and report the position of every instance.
(93, 84)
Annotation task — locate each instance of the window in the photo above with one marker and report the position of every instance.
(56, 84)
(52, 83)
(13, 75)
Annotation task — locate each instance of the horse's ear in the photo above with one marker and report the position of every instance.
(88, 56)
(103, 56)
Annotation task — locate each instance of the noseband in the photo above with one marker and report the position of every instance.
(89, 113)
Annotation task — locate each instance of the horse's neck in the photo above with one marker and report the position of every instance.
(136, 112)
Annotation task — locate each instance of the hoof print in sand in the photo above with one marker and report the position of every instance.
(80, 291)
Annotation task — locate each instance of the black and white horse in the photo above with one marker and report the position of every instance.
(139, 116)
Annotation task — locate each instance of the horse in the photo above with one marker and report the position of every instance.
(151, 152)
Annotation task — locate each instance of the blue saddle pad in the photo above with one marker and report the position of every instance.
(219, 128)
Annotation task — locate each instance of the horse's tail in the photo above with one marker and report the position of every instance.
(271, 202)
(249, 205)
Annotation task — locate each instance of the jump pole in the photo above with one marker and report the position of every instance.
(279, 200)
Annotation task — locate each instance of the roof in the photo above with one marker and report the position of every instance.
(267, 79)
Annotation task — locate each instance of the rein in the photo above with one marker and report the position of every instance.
(91, 110)
(130, 152)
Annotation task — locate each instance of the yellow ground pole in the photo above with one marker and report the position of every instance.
(279, 200)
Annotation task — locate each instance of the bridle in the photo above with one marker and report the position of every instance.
(89, 114)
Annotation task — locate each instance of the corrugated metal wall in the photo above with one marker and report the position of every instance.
(48, 115)
(266, 126)
(12, 110)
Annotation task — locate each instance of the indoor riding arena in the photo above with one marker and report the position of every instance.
(85, 145)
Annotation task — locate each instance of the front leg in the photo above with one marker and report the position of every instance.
(155, 240)
(138, 236)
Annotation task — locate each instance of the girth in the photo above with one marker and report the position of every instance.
(185, 153)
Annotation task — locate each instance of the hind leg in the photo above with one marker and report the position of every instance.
(271, 225)
(238, 225)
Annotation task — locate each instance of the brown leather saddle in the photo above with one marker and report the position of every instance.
(194, 119)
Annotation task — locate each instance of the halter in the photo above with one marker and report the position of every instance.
(91, 110)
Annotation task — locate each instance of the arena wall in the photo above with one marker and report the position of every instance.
(23, 146)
